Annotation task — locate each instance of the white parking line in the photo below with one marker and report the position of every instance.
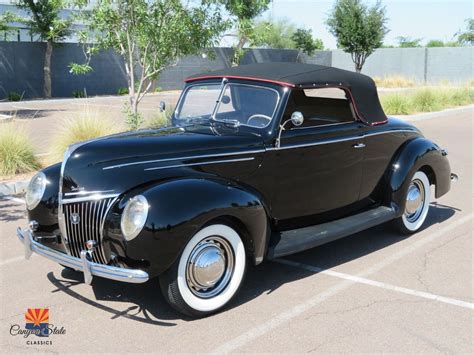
(286, 316)
(362, 280)
(14, 199)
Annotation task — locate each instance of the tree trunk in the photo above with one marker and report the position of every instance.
(47, 70)
(238, 51)
(358, 67)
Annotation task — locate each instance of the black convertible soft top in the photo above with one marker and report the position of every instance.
(359, 87)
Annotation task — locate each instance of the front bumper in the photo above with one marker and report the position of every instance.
(83, 264)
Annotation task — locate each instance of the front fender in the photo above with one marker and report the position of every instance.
(419, 153)
(179, 208)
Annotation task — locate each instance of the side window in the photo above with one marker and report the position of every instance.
(320, 106)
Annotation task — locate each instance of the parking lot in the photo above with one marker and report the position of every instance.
(375, 291)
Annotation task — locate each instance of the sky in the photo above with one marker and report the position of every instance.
(417, 19)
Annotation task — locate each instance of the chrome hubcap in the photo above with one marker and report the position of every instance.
(210, 267)
(415, 200)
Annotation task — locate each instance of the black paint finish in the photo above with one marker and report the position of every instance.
(198, 174)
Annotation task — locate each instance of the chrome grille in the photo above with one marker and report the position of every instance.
(89, 217)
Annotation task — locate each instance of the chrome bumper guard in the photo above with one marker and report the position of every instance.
(83, 264)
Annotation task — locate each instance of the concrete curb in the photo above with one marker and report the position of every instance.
(437, 114)
(13, 188)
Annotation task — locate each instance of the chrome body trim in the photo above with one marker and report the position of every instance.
(257, 151)
(338, 140)
(201, 163)
(88, 198)
(217, 155)
(83, 192)
(80, 264)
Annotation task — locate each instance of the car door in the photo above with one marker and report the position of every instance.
(318, 166)
(316, 170)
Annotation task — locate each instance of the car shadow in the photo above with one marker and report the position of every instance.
(11, 212)
(149, 306)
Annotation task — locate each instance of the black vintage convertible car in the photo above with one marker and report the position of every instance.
(260, 161)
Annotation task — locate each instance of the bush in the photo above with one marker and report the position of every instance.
(394, 81)
(16, 152)
(14, 96)
(161, 119)
(88, 124)
(79, 94)
(158, 89)
(426, 100)
(122, 91)
(396, 104)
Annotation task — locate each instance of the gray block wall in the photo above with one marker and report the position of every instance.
(21, 66)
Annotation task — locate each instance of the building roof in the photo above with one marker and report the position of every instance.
(360, 88)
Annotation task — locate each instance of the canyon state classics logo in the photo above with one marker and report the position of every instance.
(37, 324)
(37, 319)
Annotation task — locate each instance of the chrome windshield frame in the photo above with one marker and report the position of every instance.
(223, 86)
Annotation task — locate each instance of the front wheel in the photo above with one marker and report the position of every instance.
(417, 204)
(208, 273)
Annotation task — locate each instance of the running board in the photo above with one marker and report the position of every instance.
(297, 240)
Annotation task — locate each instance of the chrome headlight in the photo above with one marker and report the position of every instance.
(134, 216)
(35, 190)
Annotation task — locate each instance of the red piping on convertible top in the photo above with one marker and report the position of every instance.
(282, 83)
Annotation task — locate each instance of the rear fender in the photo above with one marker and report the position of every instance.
(417, 154)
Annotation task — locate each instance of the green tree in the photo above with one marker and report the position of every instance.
(435, 43)
(359, 30)
(305, 42)
(275, 34)
(243, 13)
(5, 23)
(149, 35)
(466, 37)
(408, 42)
(45, 21)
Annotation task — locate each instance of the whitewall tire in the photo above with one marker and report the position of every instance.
(417, 204)
(208, 272)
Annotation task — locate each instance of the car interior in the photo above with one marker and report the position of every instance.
(320, 106)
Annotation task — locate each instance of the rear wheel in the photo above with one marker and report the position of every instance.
(417, 204)
(208, 273)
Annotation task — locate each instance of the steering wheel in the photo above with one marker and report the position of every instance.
(256, 116)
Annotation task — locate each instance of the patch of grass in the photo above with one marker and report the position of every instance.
(396, 104)
(426, 100)
(79, 94)
(14, 96)
(161, 119)
(394, 81)
(16, 152)
(88, 124)
(122, 91)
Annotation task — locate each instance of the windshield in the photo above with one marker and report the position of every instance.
(239, 104)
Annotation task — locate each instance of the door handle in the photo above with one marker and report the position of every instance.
(358, 145)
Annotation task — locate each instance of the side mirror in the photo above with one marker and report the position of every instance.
(297, 118)
(225, 99)
(162, 106)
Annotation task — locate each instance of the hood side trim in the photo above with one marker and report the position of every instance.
(201, 163)
(184, 158)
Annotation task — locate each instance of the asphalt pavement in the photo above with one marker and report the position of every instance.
(375, 291)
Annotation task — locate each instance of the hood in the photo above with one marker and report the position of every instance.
(117, 163)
